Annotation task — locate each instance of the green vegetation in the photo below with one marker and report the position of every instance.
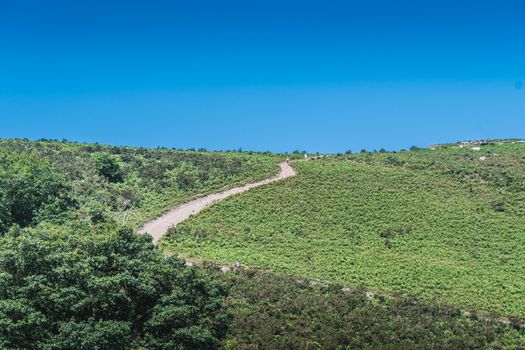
(74, 274)
(283, 312)
(421, 229)
(129, 185)
(444, 225)
(30, 191)
(102, 288)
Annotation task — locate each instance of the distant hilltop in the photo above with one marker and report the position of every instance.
(479, 142)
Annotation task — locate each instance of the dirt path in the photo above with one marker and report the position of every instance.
(158, 227)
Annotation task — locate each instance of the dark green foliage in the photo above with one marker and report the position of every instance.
(108, 166)
(76, 281)
(102, 289)
(392, 160)
(91, 334)
(281, 312)
(5, 214)
(30, 191)
(498, 206)
(185, 181)
(390, 233)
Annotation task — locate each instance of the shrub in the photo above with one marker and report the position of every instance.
(102, 290)
(281, 312)
(498, 206)
(108, 166)
(30, 191)
(185, 180)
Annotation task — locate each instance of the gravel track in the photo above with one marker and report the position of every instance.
(157, 228)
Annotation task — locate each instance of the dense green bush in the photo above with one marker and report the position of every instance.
(108, 166)
(282, 312)
(185, 180)
(102, 288)
(30, 191)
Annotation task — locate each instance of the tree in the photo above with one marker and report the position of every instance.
(108, 166)
(106, 288)
(5, 215)
(30, 191)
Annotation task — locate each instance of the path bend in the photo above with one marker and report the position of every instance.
(158, 227)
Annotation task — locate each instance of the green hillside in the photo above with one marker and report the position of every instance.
(432, 233)
(446, 225)
(75, 275)
(127, 184)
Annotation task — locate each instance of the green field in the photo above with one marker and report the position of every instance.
(446, 225)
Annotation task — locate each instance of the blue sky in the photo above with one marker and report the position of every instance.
(263, 75)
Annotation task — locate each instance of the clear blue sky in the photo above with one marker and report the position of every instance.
(271, 75)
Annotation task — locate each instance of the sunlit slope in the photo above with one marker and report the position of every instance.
(444, 225)
(127, 184)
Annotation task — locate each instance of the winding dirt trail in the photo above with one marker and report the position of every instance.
(158, 227)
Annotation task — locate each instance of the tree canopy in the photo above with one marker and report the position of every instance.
(29, 191)
(102, 288)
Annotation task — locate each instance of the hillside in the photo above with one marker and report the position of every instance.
(129, 185)
(373, 250)
(75, 275)
(444, 225)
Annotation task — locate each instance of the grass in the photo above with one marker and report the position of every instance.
(442, 225)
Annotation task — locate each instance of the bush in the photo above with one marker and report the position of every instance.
(282, 312)
(108, 166)
(5, 215)
(185, 181)
(498, 206)
(102, 290)
(30, 191)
